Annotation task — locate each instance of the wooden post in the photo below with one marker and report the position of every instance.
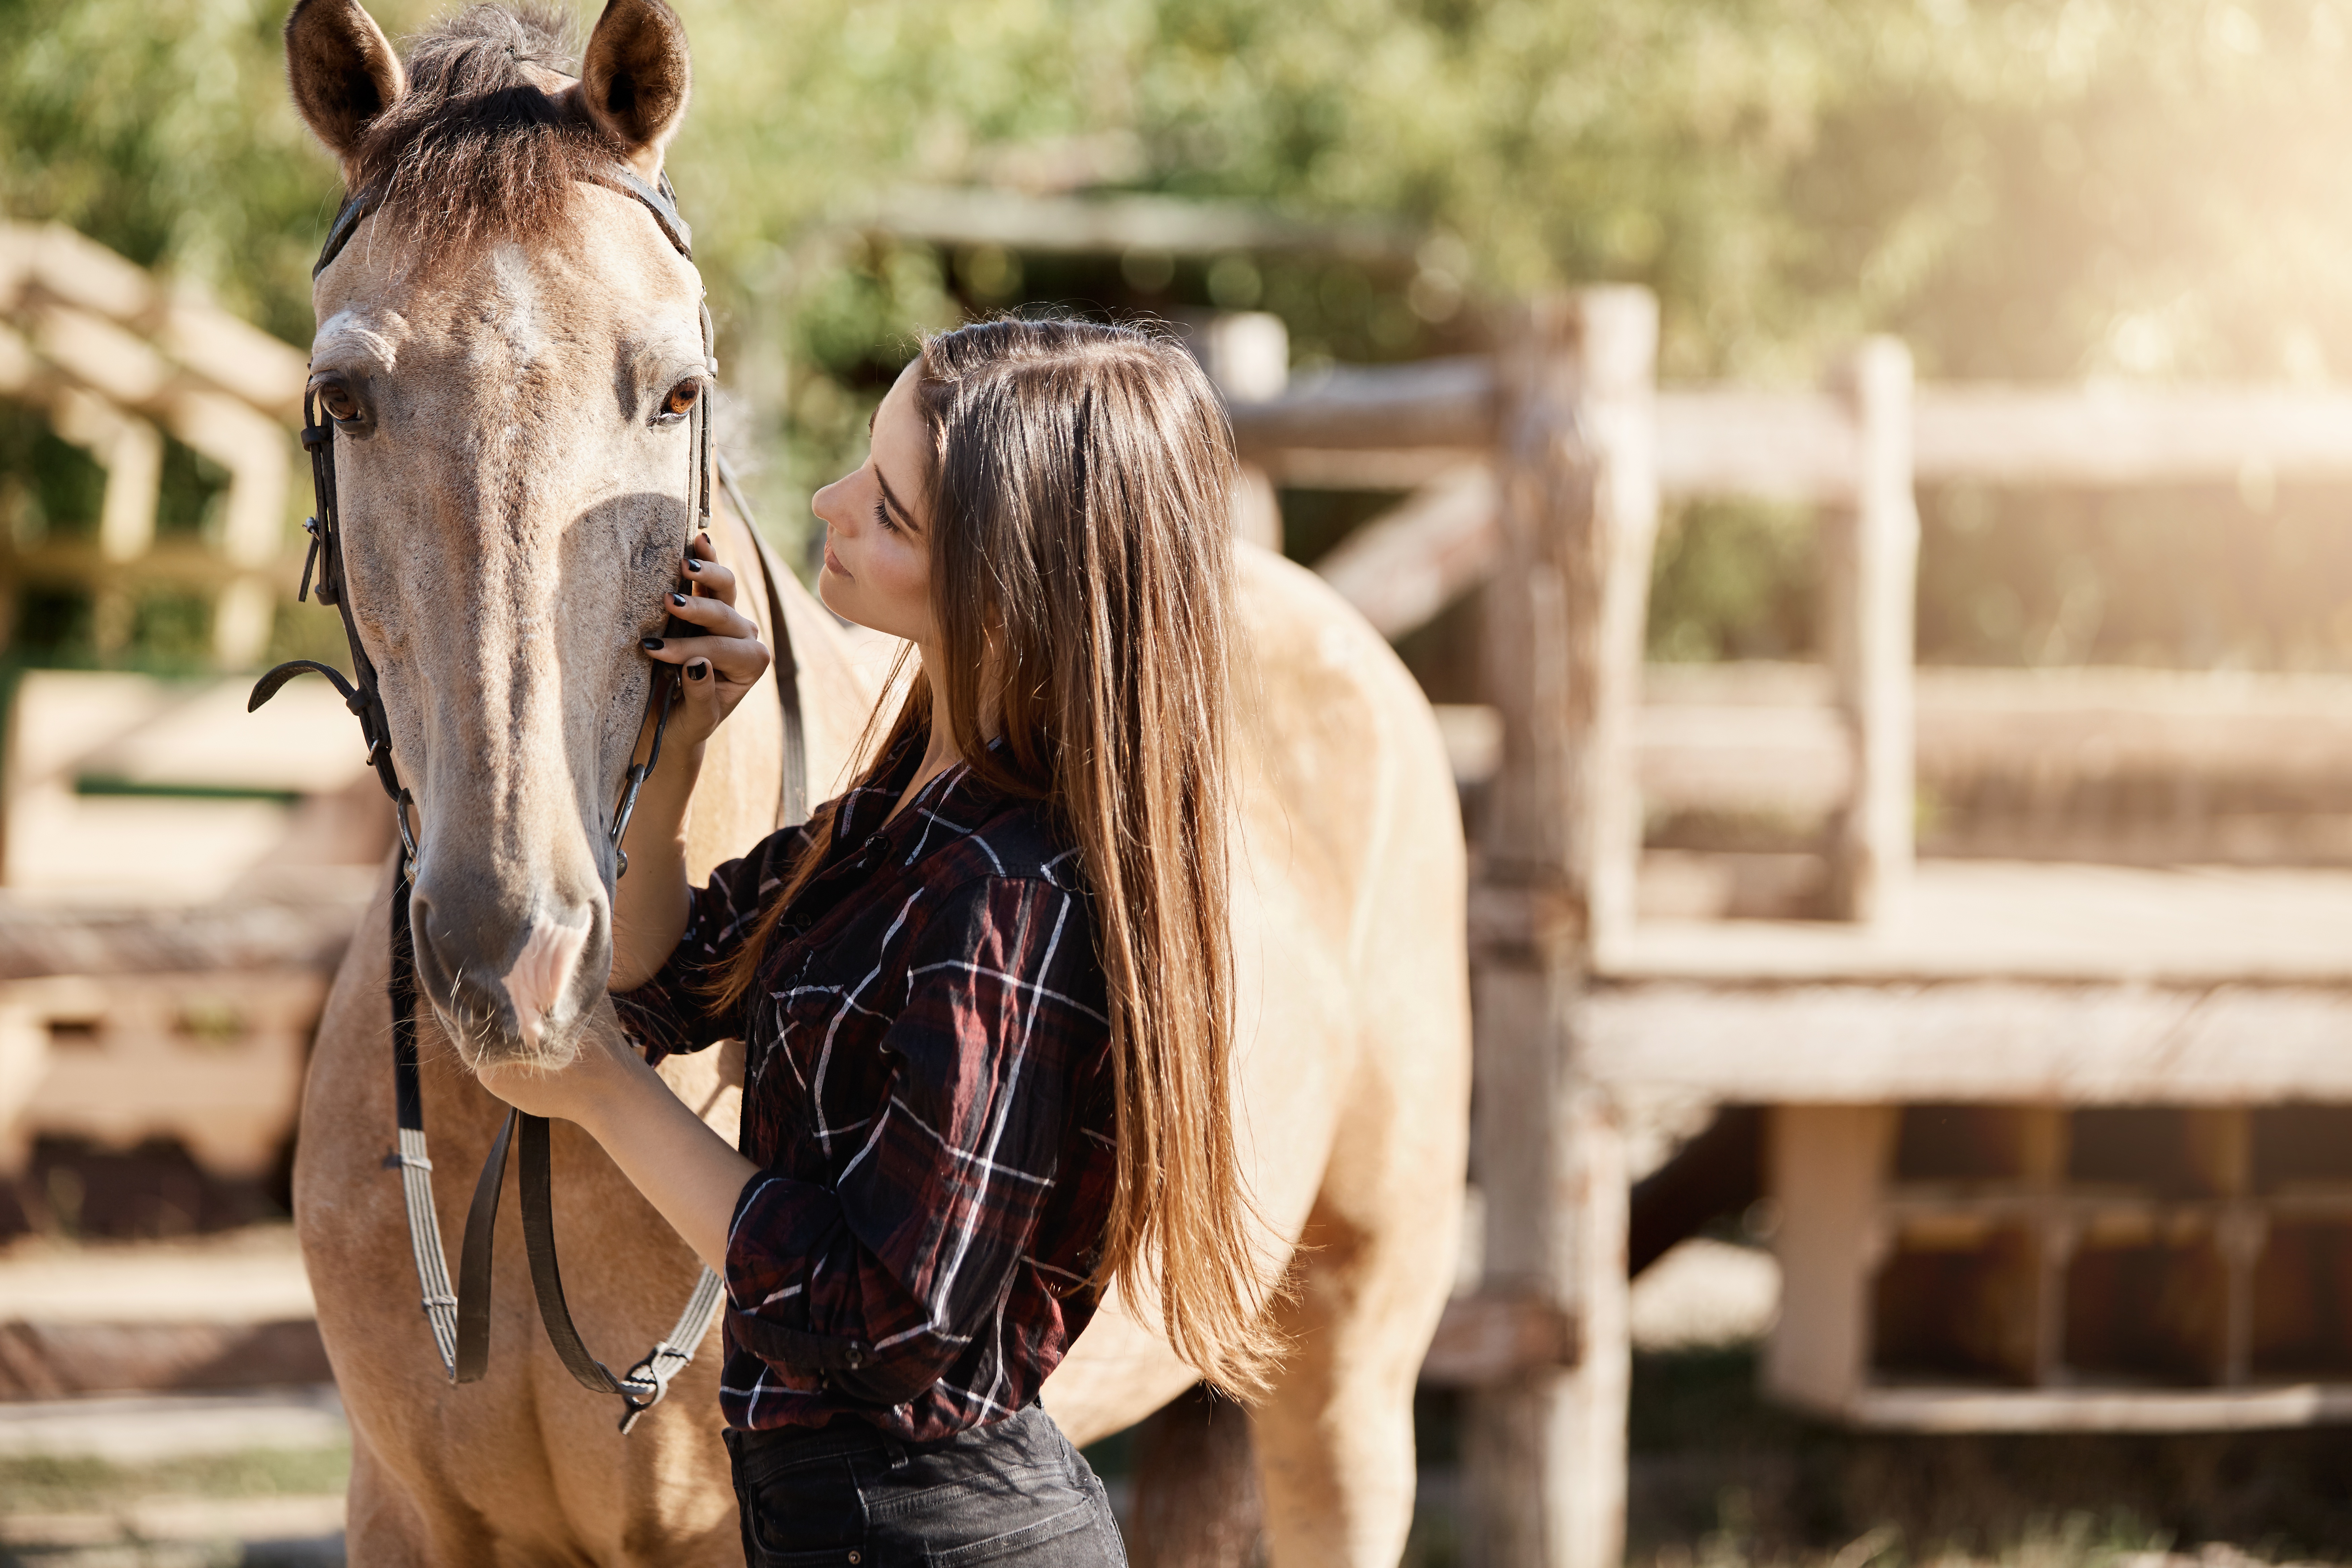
(1871, 560)
(1827, 1171)
(1578, 516)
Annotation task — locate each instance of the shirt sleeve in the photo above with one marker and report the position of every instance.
(672, 1013)
(876, 1284)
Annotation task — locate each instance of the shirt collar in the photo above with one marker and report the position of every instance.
(957, 800)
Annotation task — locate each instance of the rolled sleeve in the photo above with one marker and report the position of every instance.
(876, 1284)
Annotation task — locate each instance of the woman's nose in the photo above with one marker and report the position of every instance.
(826, 504)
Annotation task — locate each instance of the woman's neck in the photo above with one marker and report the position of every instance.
(942, 752)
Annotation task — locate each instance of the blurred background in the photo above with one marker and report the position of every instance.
(2118, 192)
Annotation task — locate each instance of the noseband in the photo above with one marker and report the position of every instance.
(460, 1322)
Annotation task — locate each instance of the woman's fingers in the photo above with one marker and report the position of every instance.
(722, 655)
(706, 573)
(738, 660)
(713, 616)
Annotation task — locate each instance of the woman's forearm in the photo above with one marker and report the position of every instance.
(685, 1170)
(649, 903)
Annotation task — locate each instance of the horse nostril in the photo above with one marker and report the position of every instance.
(543, 973)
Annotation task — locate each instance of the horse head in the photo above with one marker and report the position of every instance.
(510, 348)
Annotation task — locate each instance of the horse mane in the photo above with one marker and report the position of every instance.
(477, 148)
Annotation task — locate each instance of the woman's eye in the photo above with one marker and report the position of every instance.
(882, 516)
(338, 403)
(681, 400)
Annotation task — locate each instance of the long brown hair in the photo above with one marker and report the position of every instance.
(1080, 497)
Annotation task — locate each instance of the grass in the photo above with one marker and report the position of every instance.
(1723, 1479)
(56, 1485)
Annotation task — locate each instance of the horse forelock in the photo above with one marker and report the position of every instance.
(485, 144)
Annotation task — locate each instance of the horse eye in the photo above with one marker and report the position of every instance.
(338, 403)
(682, 399)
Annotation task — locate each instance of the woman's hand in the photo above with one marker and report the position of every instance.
(604, 1073)
(718, 662)
(721, 663)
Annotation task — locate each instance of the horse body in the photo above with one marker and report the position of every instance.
(511, 514)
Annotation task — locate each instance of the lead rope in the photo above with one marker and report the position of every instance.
(460, 1323)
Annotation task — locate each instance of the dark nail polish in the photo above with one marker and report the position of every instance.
(704, 540)
(696, 671)
(692, 564)
(651, 645)
(678, 599)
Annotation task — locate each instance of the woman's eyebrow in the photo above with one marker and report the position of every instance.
(891, 499)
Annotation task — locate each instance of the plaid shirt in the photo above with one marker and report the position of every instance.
(928, 1095)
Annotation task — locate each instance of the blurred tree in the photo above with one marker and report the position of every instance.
(2022, 188)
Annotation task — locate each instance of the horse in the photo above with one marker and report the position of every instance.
(512, 509)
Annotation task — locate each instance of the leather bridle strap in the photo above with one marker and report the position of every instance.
(643, 1385)
(460, 1323)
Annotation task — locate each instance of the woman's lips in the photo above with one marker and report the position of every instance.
(832, 563)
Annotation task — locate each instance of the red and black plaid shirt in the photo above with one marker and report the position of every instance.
(928, 1095)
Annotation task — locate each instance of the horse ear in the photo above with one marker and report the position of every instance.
(343, 70)
(635, 80)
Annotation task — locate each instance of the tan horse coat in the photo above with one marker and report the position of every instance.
(503, 559)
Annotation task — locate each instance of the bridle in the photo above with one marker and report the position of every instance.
(460, 1320)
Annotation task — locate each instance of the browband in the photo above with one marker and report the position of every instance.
(658, 200)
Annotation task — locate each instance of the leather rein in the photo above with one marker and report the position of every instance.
(460, 1319)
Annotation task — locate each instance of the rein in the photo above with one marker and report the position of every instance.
(460, 1319)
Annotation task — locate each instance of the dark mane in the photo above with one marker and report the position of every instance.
(475, 150)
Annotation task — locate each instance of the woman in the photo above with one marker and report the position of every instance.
(984, 994)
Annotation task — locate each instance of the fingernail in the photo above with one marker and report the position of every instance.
(678, 599)
(697, 670)
(704, 540)
(651, 645)
(692, 564)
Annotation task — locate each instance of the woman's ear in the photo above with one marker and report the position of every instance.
(634, 78)
(343, 71)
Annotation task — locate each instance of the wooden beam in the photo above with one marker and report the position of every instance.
(1731, 442)
(1992, 433)
(1872, 556)
(56, 939)
(1577, 516)
(1484, 1340)
(180, 563)
(1429, 402)
(1405, 566)
(2041, 1410)
(1358, 469)
(1858, 1043)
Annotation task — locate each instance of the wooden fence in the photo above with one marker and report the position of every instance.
(114, 359)
(1540, 474)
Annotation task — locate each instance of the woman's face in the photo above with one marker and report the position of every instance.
(878, 557)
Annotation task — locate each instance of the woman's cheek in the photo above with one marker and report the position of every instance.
(905, 577)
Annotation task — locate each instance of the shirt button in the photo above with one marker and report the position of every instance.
(854, 1558)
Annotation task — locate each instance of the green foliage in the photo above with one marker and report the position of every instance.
(162, 128)
(2026, 188)
(1733, 582)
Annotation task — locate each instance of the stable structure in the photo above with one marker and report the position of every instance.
(2056, 1145)
(115, 359)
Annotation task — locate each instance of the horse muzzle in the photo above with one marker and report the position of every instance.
(508, 988)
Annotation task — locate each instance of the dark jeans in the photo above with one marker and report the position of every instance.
(1012, 1492)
